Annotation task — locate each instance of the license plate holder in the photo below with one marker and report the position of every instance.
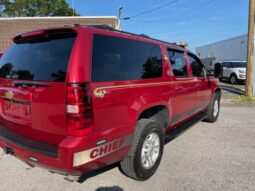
(17, 109)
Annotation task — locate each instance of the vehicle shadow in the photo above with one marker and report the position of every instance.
(168, 138)
(114, 188)
(91, 174)
(233, 90)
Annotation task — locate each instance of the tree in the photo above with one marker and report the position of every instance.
(33, 8)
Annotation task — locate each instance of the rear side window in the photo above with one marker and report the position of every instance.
(44, 60)
(116, 59)
(196, 66)
(178, 63)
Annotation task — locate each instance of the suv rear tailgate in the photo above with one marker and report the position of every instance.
(33, 87)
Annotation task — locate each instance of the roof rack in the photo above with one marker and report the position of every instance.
(74, 25)
(107, 27)
(104, 27)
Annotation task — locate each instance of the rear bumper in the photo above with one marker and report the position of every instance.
(63, 162)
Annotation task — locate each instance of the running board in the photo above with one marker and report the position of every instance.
(184, 127)
(72, 178)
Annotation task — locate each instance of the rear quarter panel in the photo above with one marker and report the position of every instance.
(124, 101)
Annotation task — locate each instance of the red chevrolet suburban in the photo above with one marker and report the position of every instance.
(77, 98)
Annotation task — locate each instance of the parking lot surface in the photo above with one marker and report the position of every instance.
(219, 156)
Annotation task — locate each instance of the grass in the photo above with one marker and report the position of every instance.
(247, 99)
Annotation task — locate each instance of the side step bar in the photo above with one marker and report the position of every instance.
(72, 178)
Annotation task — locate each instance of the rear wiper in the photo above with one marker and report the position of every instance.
(30, 84)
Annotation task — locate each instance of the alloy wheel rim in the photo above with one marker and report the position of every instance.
(150, 150)
(215, 108)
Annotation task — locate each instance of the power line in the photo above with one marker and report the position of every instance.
(150, 10)
(178, 15)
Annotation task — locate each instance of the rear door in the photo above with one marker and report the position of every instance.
(120, 68)
(32, 85)
(184, 86)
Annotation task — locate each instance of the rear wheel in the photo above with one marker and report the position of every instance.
(214, 109)
(146, 151)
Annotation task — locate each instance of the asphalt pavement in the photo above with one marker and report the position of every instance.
(219, 156)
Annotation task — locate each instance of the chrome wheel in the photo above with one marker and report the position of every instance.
(150, 150)
(215, 108)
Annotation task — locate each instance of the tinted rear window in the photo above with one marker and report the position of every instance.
(44, 61)
(116, 59)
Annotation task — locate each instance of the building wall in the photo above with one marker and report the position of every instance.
(234, 49)
(226, 50)
(10, 27)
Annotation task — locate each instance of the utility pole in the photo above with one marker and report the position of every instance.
(249, 88)
(73, 8)
(119, 17)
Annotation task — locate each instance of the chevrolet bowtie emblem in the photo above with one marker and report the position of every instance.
(9, 95)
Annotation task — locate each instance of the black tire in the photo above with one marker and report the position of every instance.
(211, 117)
(233, 79)
(132, 166)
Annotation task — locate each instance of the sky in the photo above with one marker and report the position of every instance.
(198, 22)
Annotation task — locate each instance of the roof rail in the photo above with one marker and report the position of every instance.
(104, 27)
(107, 27)
(74, 25)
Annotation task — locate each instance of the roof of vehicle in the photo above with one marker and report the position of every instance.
(144, 36)
(78, 27)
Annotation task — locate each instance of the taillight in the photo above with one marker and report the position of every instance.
(79, 110)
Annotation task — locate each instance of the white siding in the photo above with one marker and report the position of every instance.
(231, 49)
(234, 49)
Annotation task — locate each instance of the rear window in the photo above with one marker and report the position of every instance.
(44, 60)
(116, 59)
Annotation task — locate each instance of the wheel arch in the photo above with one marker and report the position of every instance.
(232, 73)
(159, 112)
(217, 90)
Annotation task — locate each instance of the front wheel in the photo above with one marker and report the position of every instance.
(233, 79)
(214, 109)
(146, 151)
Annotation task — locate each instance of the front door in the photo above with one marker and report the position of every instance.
(226, 69)
(202, 87)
